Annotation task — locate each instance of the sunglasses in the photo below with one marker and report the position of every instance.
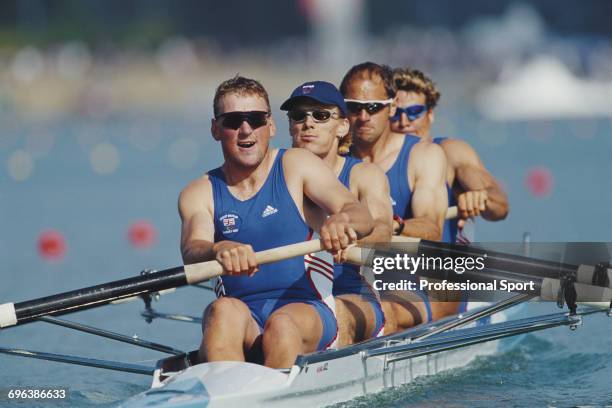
(413, 112)
(318, 115)
(233, 120)
(355, 106)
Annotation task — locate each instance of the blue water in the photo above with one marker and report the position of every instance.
(555, 368)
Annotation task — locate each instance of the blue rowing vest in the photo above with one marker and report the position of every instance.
(267, 220)
(450, 226)
(347, 279)
(398, 179)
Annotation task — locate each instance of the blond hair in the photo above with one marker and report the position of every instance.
(345, 143)
(413, 80)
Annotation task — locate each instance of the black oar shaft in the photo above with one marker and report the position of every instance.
(93, 296)
(541, 278)
(13, 314)
(521, 265)
(498, 260)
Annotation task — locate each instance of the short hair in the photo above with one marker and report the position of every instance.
(345, 143)
(372, 69)
(413, 80)
(241, 86)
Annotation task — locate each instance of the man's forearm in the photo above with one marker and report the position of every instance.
(381, 233)
(360, 219)
(423, 228)
(472, 179)
(197, 251)
(497, 205)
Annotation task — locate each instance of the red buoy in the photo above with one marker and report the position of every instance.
(539, 182)
(142, 234)
(51, 245)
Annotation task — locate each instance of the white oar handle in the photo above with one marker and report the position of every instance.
(452, 212)
(550, 291)
(206, 270)
(7, 315)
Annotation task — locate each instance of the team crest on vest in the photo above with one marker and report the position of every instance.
(231, 223)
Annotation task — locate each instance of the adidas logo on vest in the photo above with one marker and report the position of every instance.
(268, 211)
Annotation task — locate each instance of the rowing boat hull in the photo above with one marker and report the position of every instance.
(231, 384)
(317, 381)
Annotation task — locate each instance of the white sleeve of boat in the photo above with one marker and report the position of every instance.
(550, 289)
(585, 273)
(8, 317)
(584, 292)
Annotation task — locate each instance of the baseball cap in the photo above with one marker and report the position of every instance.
(320, 91)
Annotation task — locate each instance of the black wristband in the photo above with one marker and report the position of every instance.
(401, 223)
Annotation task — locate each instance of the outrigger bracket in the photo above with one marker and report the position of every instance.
(601, 278)
(147, 298)
(600, 274)
(567, 293)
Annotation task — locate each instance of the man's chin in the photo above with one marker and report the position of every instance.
(248, 160)
(367, 136)
(406, 131)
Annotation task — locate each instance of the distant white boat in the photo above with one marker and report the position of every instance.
(545, 89)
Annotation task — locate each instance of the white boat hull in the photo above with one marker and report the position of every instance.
(232, 384)
(235, 384)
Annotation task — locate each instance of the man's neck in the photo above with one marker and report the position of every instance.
(248, 179)
(380, 149)
(333, 161)
(427, 136)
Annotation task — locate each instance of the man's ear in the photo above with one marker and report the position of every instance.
(430, 116)
(344, 128)
(272, 126)
(214, 129)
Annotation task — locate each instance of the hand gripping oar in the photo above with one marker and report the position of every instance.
(12, 314)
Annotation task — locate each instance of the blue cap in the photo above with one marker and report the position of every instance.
(320, 91)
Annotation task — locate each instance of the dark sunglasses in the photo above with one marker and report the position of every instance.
(371, 107)
(233, 120)
(413, 112)
(319, 115)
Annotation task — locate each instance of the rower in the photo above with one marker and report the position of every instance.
(470, 185)
(317, 122)
(253, 202)
(416, 173)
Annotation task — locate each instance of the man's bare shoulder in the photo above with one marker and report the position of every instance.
(298, 159)
(425, 151)
(457, 147)
(459, 153)
(197, 190)
(297, 153)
